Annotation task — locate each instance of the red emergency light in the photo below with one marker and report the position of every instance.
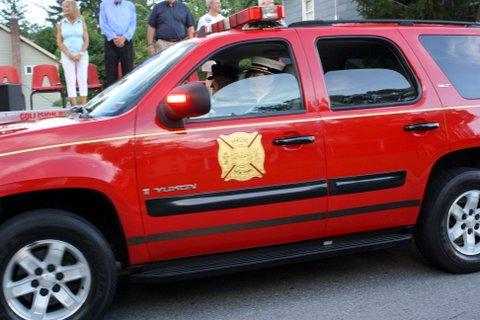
(177, 98)
(247, 17)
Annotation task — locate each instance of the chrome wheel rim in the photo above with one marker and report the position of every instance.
(463, 223)
(47, 280)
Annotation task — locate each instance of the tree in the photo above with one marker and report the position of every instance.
(43, 36)
(92, 7)
(13, 8)
(54, 12)
(420, 9)
(143, 8)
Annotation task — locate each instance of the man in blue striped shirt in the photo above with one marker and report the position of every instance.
(118, 20)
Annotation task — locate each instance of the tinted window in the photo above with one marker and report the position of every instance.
(459, 58)
(362, 73)
(256, 79)
(283, 96)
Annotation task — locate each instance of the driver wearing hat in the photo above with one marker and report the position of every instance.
(261, 79)
(264, 66)
(222, 76)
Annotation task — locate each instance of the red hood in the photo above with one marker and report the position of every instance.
(13, 127)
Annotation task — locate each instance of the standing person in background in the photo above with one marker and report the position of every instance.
(170, 22)
(265, 3)
(72, 40)
(118, 20)
(213, 15)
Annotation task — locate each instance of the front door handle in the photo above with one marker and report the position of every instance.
(291, 141)
(422, 127)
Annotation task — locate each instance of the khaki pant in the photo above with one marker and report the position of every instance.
(162, 45)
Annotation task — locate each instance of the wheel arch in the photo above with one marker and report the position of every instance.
(87, 203)
(463, 158)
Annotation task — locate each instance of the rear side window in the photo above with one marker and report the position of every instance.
(459, 59)
(365, 73)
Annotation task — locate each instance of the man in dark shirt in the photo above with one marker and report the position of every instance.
(170, 22)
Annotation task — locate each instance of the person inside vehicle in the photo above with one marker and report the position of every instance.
(222, 75)
(261, 79)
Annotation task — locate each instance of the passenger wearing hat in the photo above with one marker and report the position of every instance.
(261, 80)
(222, 76)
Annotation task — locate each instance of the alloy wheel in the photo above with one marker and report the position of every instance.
(47, 280)
(463, 223)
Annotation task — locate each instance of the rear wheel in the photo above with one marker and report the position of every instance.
(448, 230)
(54, 266)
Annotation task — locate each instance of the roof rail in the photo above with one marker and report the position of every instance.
(324, 23)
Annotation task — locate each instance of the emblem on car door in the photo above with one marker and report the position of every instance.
(241, 156)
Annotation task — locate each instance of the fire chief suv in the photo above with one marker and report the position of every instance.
(251, 145)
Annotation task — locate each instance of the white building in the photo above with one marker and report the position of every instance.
(30, 55)
(301, 10)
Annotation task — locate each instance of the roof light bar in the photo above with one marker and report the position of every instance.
(245, 17)
(273, 13)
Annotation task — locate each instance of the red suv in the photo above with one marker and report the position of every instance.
(247, 148)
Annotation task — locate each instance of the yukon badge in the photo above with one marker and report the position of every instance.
(241, 156)
(182, 187)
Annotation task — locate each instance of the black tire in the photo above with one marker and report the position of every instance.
(431, 231)
(63, 226)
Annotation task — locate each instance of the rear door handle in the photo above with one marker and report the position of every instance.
(422, 127)
(291, 141)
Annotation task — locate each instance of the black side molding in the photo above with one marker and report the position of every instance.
(198, 232)
(367, 183)
(235, 199)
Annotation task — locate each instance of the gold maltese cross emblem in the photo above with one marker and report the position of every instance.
(241, 156)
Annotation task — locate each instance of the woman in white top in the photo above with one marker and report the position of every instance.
(213, 15)
(73, 41)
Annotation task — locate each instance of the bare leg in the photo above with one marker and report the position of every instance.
(73, 101)
(83, 100)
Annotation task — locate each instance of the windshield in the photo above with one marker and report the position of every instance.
(125, 93)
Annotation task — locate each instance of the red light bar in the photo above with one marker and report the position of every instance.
(257, 14)
(247, 16)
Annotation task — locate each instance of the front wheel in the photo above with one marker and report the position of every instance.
(448, 230)
(54, 266)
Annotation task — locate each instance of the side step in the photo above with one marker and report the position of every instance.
(214, 264)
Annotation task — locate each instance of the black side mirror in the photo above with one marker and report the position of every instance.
(185, 101)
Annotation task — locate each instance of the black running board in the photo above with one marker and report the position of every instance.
(215, 264)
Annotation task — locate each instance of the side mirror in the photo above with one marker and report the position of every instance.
(185, 101)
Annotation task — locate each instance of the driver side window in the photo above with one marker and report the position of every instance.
(249, 80)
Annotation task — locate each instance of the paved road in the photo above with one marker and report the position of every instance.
(394, 284)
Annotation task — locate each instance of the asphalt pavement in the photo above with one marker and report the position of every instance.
(388, 284)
